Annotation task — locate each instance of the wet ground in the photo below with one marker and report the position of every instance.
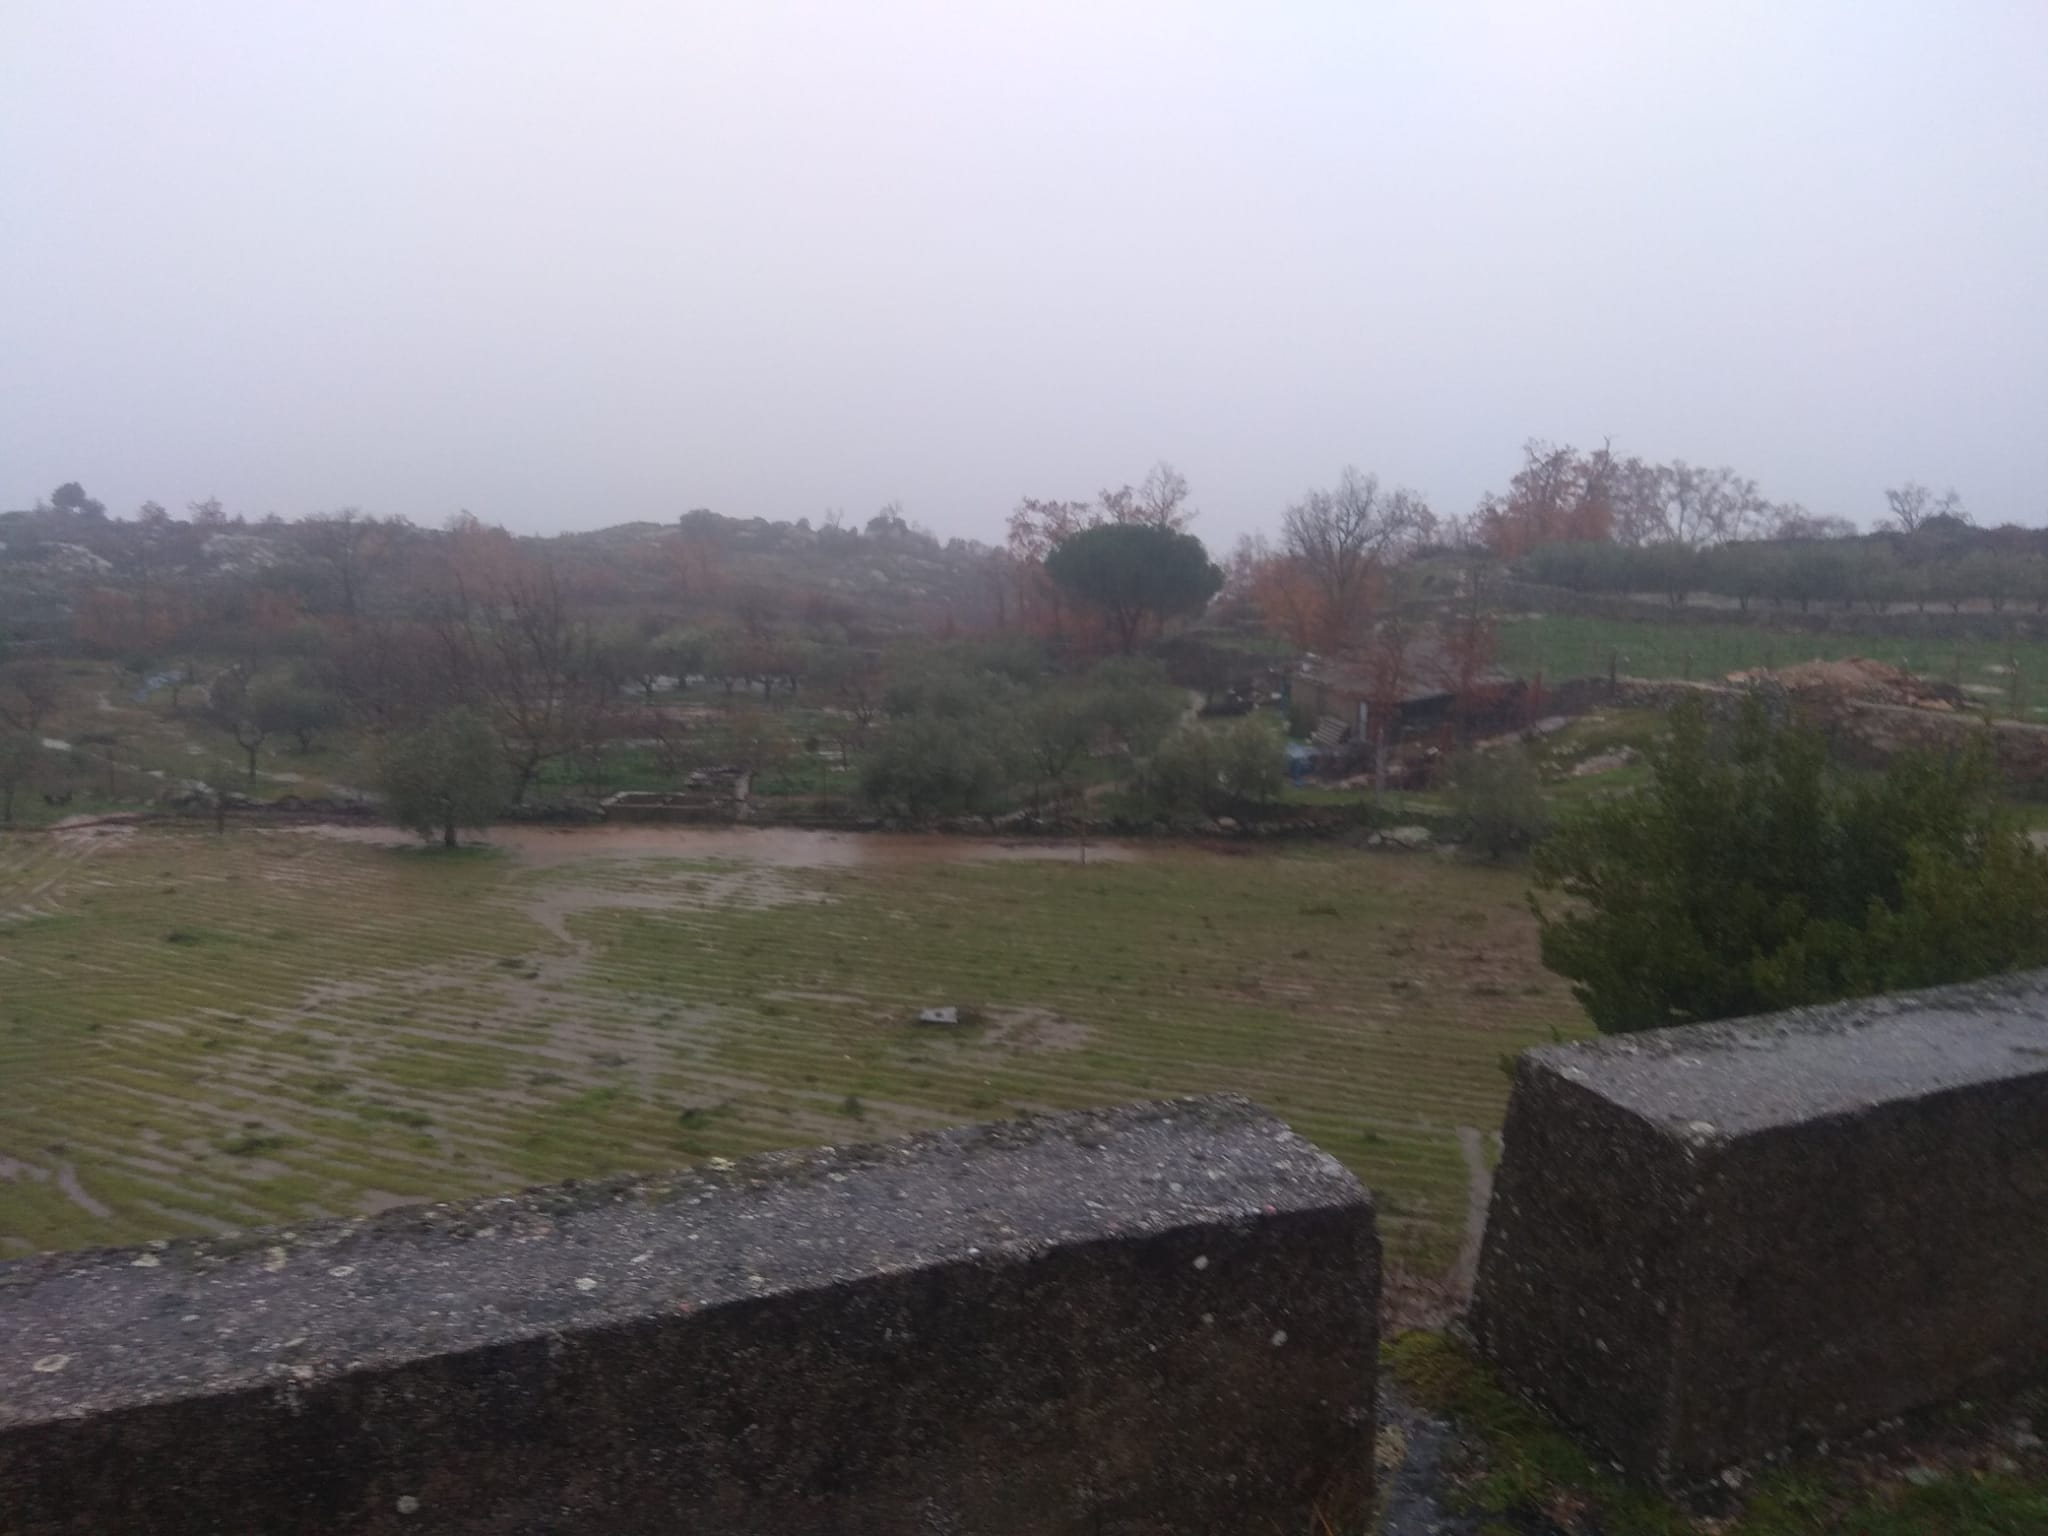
(773, 847)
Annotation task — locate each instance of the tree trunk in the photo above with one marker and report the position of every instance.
(252, 761)
(448, 831)
(1127, 625)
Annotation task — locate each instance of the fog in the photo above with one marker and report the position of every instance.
(572, 264)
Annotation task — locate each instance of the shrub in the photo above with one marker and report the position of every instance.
(935, 765)
(1749, 877)
(1195, 771)
(1251, 760)
(1179, 778)
(1498, 800)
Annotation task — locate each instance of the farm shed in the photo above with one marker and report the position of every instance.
(1417, 678)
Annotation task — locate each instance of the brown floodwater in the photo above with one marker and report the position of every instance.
(778, 847)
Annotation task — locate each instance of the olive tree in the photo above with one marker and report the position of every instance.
(1498, 798)
(444, 775)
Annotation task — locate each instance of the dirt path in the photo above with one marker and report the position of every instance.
(1411, 1455)
(1478, 1194)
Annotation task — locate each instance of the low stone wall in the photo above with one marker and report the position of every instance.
(1711, 1242)
(721, 809)
(1150, 1320)
(1875, 733)
(2015, 623)
(1863, 731)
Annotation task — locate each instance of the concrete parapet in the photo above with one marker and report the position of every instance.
(1153, 1319)
(1710, 1242)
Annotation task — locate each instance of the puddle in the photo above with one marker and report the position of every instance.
(774, 847)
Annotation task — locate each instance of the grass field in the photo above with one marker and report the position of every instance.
(1561, 646)
(200, 1032)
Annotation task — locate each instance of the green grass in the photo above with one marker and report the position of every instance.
(1562, 646)
(1519, 1472)
(410, 1025)
(1324, 795)
(126, 752)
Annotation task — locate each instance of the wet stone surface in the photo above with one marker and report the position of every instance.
(1786, 1068)
(1154, 1318)
(1708, 1243)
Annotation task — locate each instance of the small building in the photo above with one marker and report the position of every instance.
(1416, 677)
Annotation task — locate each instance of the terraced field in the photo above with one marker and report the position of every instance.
(200, 1033)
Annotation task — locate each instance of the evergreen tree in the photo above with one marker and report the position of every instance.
(1750, 876)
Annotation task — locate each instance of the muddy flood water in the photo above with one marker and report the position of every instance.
(776, 847)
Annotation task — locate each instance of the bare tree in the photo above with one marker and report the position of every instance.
(344, 542)
(757, 738)
(1560, 496)
(511, 644)
(1340, 537)
(388, 672)
(1163, 499)
(757, 607)
(1792, 521)
(29, 694)
(1470, 637)
(1697, 506)
(1913, 504)
(1161, 502)
(1389, 674)
(233, 705)
(674, 743)
(1635, 501)
(852, 680)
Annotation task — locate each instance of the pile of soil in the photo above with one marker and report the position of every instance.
(1857, 679)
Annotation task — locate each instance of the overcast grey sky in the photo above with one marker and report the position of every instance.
(572, 263)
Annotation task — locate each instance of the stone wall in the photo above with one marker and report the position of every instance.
(1711, 1242)
(1862, 731)
(1979, 623)
(1875, 733)
(1150, 1320)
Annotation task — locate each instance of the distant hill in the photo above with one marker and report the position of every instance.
(890, 576)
